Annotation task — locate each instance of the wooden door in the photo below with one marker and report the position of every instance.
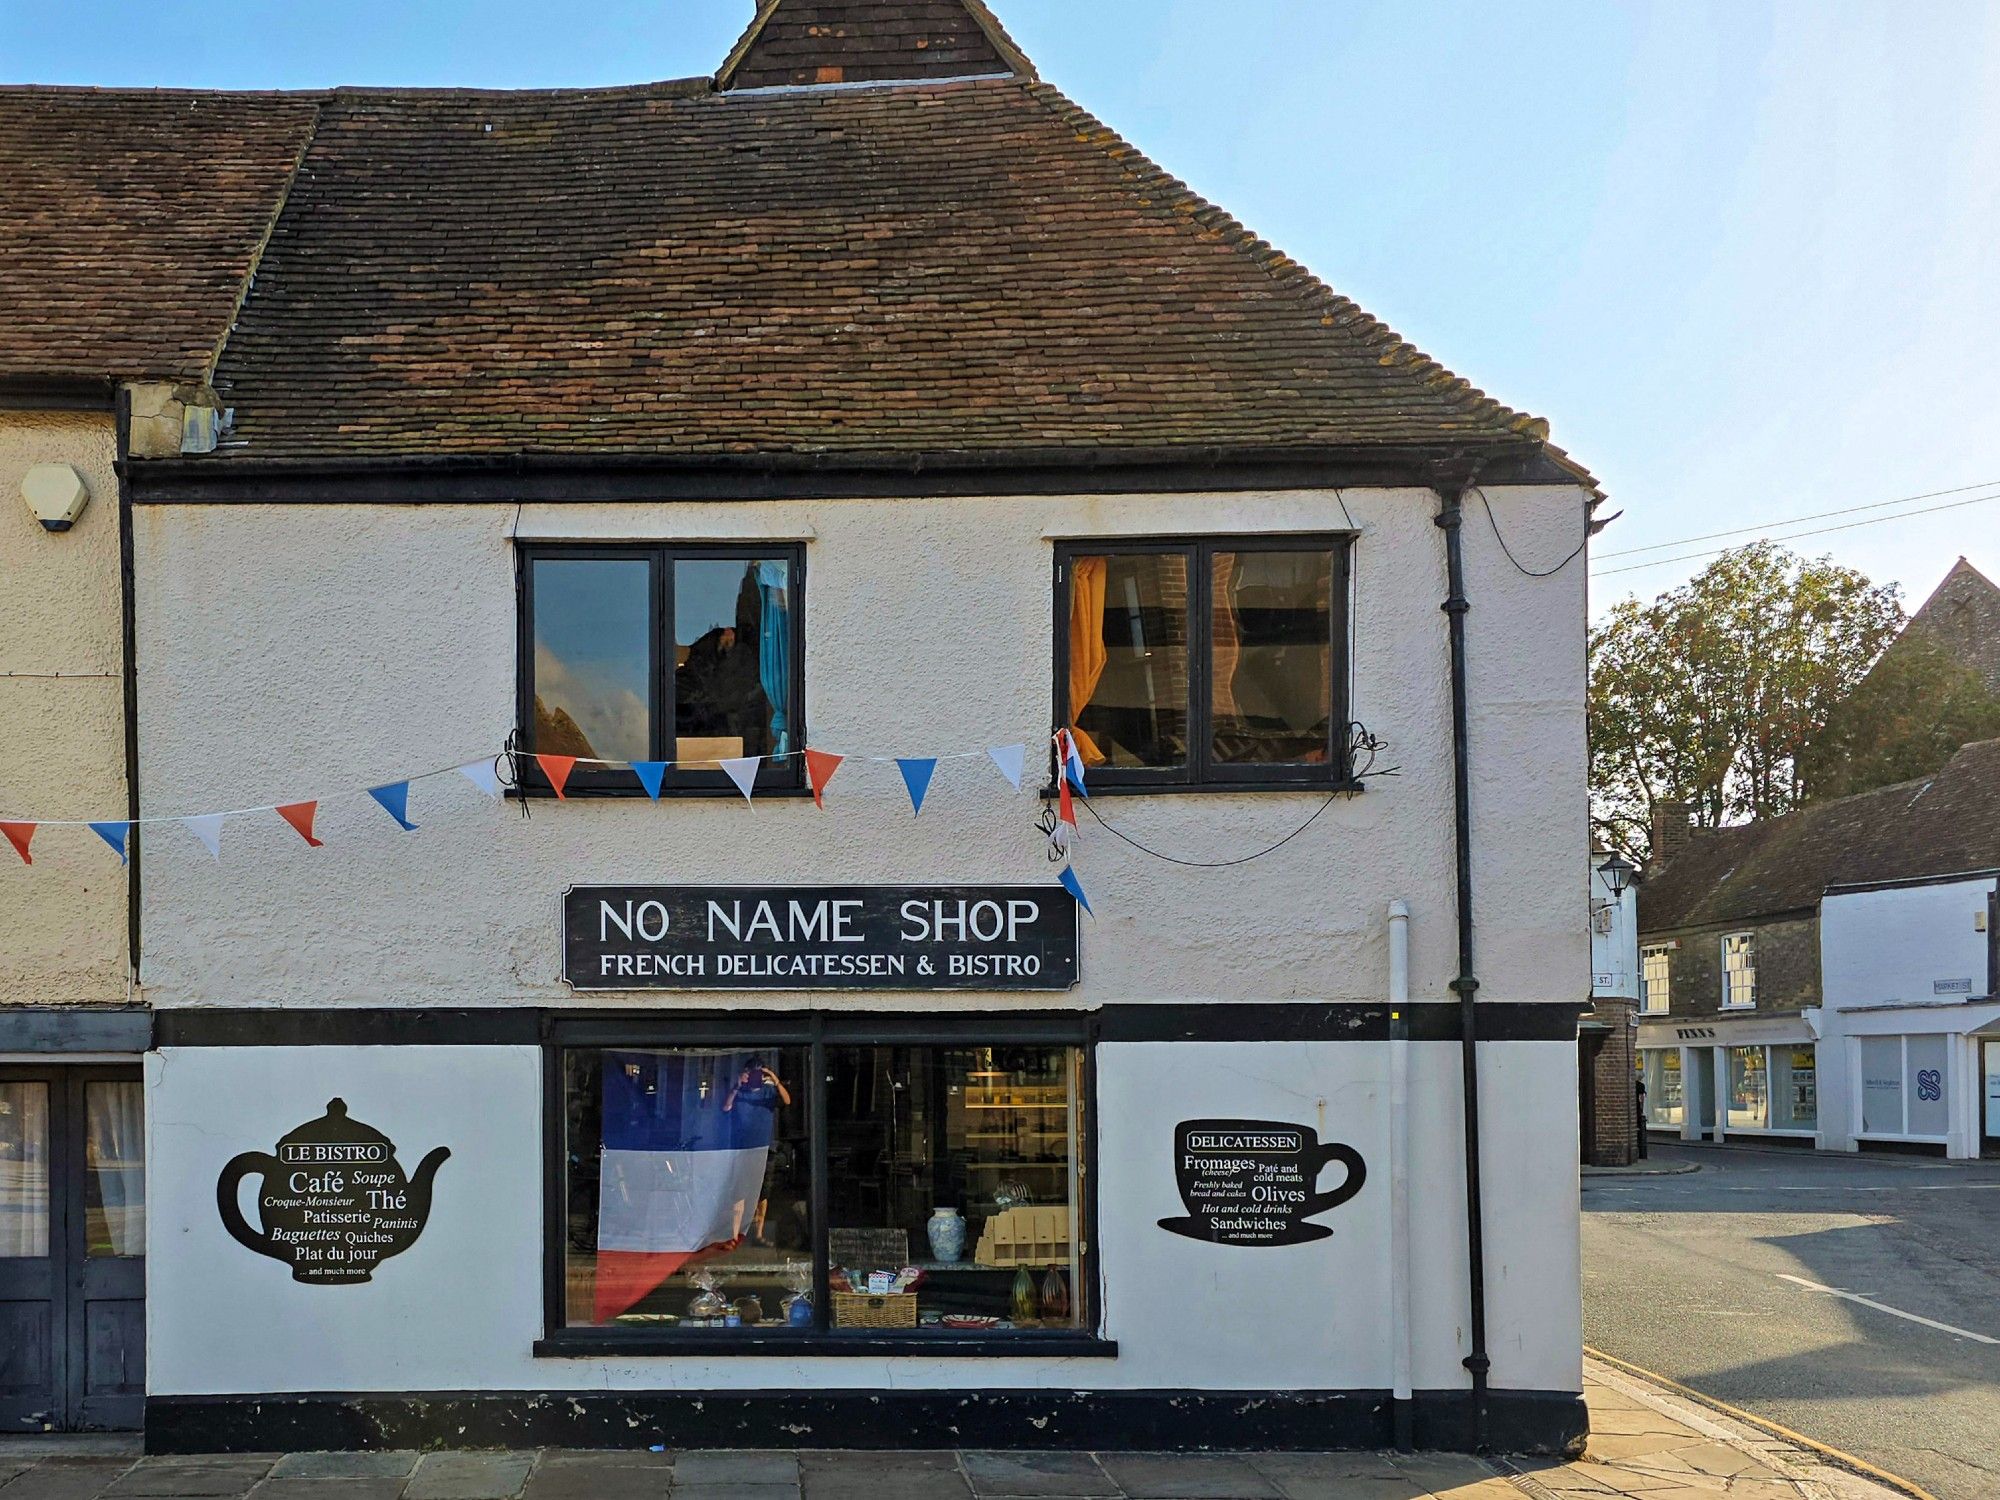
(72, 1245)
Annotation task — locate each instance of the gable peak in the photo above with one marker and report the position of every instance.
(816, 43)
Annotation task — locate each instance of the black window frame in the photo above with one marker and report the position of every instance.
(780, 777)
(1201, 773)
(816, 1031)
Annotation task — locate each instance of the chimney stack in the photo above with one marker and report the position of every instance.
(1673, 828)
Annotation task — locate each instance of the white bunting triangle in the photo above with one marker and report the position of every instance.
(1010, 759)
(208, 828)
(482, 775)
(743, 771)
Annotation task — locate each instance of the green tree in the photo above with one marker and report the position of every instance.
(1711, 693)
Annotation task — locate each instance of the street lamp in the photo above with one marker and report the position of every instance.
(1618, 873)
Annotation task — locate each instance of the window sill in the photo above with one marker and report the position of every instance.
(706, 1343)
(1183, 788)
(638, 793)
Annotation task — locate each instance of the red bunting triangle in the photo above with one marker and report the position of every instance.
(19, 834)
(820, 766)
(557, 769)
(300, 816)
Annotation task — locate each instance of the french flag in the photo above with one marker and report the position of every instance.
(681, 1175)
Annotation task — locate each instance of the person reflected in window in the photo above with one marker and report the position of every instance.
(757, 1087)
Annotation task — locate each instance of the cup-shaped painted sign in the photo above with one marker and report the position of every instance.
(1256, 1182)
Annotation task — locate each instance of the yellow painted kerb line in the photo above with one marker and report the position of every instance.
(1834, 1455)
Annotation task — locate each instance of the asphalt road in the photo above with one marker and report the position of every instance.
(1726, 1279)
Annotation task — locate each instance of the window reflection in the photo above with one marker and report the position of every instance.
(24, 1170)
(688, 1186)
(732, 658)
(1272, 656)
(593, 658)
(1128, 659)
(114, 1186)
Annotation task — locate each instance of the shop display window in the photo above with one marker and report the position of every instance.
(1749, 1089)
(1661, 1069)
(1794, 1088)
(1217, 662)
(689, 655)
(1882, 1085)
(827, 1190)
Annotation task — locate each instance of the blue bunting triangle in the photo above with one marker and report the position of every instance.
(917, 772)
(650, 773)
(1075, 887)
(115, 835)
(395, 800)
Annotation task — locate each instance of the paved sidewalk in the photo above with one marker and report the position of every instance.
(1644, 1443)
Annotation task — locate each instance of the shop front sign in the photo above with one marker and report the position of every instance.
(333, 1201)
(1256, 1182)
(651, 937)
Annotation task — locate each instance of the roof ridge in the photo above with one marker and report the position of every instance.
(1286, 271)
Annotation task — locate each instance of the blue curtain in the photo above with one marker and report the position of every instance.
(774, 649)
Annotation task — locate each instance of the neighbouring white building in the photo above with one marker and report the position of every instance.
(1828, 978)
(603, 935)
(1909, 1034)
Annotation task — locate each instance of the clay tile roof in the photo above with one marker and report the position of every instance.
(793, 42)
(921, 268)
(1947, 823)
(129, 222)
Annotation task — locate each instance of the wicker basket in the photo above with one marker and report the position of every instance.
(860, 1310)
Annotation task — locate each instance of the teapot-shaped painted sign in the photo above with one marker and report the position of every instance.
(334, 1201)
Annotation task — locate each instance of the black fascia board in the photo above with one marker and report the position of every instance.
(585, 477)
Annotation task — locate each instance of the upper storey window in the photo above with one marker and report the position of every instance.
(1739, 970)
(683, 654)
(1218, 662)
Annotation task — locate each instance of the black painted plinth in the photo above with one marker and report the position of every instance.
(1105, 1421)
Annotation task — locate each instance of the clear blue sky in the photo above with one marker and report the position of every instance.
(1741, 254)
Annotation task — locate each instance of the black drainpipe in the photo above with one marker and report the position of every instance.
(1450, 519)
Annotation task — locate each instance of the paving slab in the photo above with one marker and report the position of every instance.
(866, 1475)
(393, 1463)
(1331, 1476)
(620, 1458)
(724, 1491)
(60, 1479)
(741, 1466)
(353, 1487)
(469, 1476)
(218, 1477)
(597, 1481)
(994, 1473)
(1187, 1476)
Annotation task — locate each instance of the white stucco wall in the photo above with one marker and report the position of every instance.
(293, 652)
(62, 738)
(1897, 946)
(315, 650)
(461, 1308)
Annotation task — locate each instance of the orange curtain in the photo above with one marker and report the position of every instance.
(1086, 647)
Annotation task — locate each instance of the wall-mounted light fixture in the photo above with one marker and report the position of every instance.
(56, 494)
(1617, 872)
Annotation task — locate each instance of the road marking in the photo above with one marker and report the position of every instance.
(1894, 1312)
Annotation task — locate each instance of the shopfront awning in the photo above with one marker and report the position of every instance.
(1753, 1030)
